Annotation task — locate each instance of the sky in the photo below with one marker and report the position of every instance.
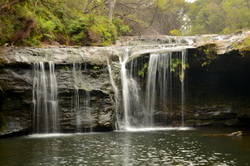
(190, 0)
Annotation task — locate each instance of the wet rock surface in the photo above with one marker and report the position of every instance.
(212, 116)
(16, 79)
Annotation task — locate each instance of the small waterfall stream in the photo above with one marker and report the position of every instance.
(76, 98)
(116, 91)
(125, 88)
(45, 101)
(81, 100)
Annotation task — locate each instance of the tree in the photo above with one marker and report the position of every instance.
(217, 16)
(138, 14)
(111, 8)
(170, 15)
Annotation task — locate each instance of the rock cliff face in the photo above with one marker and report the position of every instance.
(217, 83)
(218, 88)
(16, 79)
(16, 90)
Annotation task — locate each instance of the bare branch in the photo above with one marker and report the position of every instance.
(152, 21)
(94, 7)
(86, 6)
(11, 4)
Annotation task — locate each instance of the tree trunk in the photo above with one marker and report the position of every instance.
(111, 9)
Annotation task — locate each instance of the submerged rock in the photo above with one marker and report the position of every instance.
(233, 134)
(237, 133)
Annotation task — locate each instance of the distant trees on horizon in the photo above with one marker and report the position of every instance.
(99, 22)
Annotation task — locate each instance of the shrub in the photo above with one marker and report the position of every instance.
(175, 32)
(92, 30)
(58, 23)
(122, 29)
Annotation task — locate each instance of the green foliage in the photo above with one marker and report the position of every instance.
(177, 67)
(96, 67)
(65, 68)
(226, 31)
(77, 26)
(141, 73)
(175, 32)
(244, 45)
(122, 29)
(77, 30)
(210, 52)
(92, 30)
(215, 16)
(59, 21)
(206, 63)
(102, 32)
(206, 54)
(85, 22)
(176, 64)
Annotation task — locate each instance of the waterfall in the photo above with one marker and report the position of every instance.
(125, 88)
(80, 100)
(151, 88)
(89, 117)
(76, 97)
(182, 78)
(132, 106)
(44, 97)
(154, 97)
(165, 79)
(116, 91)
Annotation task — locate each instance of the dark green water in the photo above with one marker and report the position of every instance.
(144, 148)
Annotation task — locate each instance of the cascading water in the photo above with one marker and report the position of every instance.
(165, 80)
(76, 98)
(116, 91)
(45, 102)
(125, 89)
(182, 79)
(132, 106)
(81, 100)
(87, 109)
(151, 100)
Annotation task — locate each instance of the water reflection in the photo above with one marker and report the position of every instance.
(149, 148)
(127, 150)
